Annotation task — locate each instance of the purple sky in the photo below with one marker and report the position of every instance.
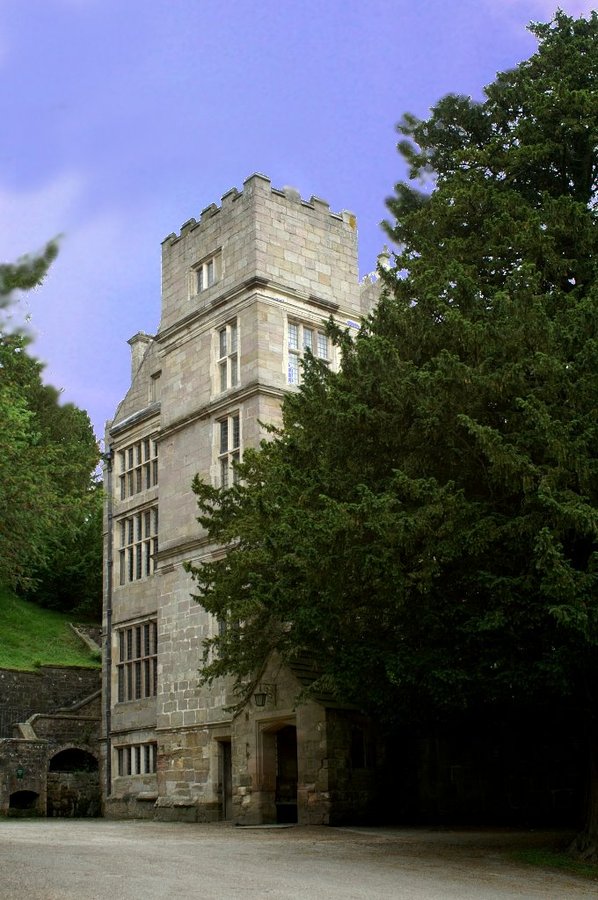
(121, 119)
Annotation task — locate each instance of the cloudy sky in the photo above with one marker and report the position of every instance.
(121, 119)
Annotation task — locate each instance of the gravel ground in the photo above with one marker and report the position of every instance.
(97, 859)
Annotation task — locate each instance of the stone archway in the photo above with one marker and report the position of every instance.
(73, 787)
(73, 759)
(23, 803)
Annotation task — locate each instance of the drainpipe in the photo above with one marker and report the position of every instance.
(108, 611)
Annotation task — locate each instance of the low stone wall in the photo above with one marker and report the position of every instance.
(81, 731)
(131, 808)
(10, 715)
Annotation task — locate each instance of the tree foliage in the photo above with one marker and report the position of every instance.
(50, 539)
(27, 273)
(425, 522)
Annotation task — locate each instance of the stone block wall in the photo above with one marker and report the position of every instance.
(181, 253)
(23, 768)
(185, 777)
(48, 688)
(63, 729)
(73, 794)
(313, 752)
(50, 705)
(182, 455)
(304, 244)
(137, 714)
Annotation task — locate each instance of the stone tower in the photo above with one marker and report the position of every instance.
(244, 291)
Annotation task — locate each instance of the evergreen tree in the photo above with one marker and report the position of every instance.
(425, 522)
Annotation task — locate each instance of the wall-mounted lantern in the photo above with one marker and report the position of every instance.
(263, 693)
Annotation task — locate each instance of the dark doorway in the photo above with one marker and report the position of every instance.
(23, 803)
(226, 779)
(286, 774)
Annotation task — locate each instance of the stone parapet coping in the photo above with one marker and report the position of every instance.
(87, 640)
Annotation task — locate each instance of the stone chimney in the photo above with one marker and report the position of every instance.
(138, 344)
(384, 259)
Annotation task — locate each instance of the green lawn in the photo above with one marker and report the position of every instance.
(31, 636)
(557, 859)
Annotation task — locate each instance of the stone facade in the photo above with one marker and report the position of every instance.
(244, 290)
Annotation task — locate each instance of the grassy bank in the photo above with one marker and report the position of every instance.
(31, 636)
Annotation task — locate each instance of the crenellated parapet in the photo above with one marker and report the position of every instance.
(261, 233)
(253, 186)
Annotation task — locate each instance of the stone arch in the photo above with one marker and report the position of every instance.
(73, 786)
(23, 803)
(73, 759)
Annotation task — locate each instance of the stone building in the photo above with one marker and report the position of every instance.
(244, 291)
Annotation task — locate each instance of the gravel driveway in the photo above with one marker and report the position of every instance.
(96, 859)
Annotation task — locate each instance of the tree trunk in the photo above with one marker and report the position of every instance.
(585, 845)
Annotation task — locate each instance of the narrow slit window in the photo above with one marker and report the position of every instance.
(229, 445)
(228, 356)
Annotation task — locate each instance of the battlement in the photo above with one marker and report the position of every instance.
(255, 187)
(260, 233)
